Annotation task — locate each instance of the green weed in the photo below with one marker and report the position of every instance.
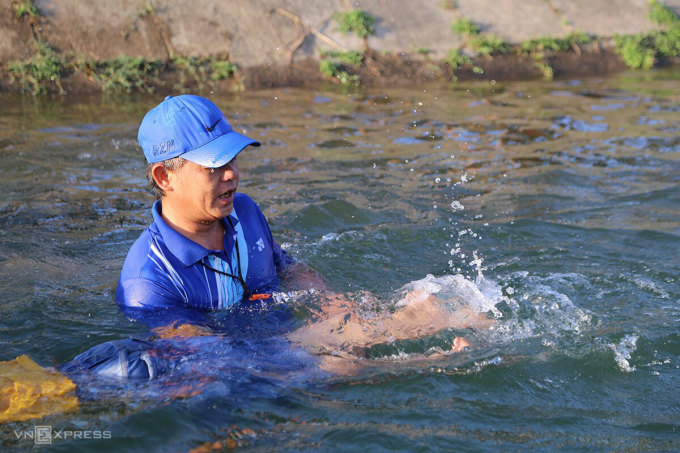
(662, 15)
(456, 59)
(636, 50)
(554, 44)
(43, 67)
(545, 68)
(126, 73)
(24, 8)
(221, 69)
(352, 57)
(667, 44)
(189, 68)
(356, 21)
(465, 27)
(643, 50)
(335, 70)
(488, 44)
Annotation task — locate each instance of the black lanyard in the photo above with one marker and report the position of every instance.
(239, 277)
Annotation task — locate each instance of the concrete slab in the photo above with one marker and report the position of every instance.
(12, 45)
(606, 18)
(408, 26)
(97, 30)
(515, 21)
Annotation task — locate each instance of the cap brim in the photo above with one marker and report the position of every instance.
(220, 151)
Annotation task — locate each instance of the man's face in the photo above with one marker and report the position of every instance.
(203, 194)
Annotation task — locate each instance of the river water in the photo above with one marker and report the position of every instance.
(554, 207)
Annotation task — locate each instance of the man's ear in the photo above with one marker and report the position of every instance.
(161, 176)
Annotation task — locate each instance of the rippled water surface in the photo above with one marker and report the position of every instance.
(553, 206)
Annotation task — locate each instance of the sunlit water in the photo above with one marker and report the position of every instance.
(553, 207)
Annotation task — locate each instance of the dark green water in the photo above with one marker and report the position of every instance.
(554, 206)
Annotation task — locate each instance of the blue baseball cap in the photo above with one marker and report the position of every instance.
(191, 127)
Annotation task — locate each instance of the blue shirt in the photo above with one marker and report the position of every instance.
(165, 269)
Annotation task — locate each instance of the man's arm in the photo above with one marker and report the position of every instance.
(344, 331)
(297, 276)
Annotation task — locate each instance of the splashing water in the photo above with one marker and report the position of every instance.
(623, 352)
(458, 291)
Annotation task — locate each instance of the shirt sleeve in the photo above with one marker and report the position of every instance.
(281, 258)
(145, 293)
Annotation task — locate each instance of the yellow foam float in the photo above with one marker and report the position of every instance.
(28, 390)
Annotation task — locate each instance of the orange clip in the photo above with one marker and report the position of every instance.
(259, 296)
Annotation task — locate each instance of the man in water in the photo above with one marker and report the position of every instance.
(210, 247)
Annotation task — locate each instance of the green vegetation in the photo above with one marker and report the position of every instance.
(221, 69)
(488, 44)
(352, 57)
(545, 69)
(189, 68)
(335, 65)
(335, 70)
(537, 49)
(465, 27)
(643, 50)
(479, 43)
(636, 50)
(456, 59)
(122, 74)
(329, 68)
(662, 15)
(126, 73)
(24, 8)
(544, 43)
(356, 21)
(423, 51)
(43, 67)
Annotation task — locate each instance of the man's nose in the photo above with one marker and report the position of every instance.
(229, 172)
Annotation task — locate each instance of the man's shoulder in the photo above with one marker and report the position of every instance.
(139, 257)
(246, 207)
(243, 201)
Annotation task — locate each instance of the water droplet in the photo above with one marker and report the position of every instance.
(456, 206)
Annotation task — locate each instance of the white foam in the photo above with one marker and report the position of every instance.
(623, 352)
(458, 290)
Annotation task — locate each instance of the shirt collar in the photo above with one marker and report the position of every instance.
(186, 250)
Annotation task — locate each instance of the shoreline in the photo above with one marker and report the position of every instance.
(385, 71)
(69, 49)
